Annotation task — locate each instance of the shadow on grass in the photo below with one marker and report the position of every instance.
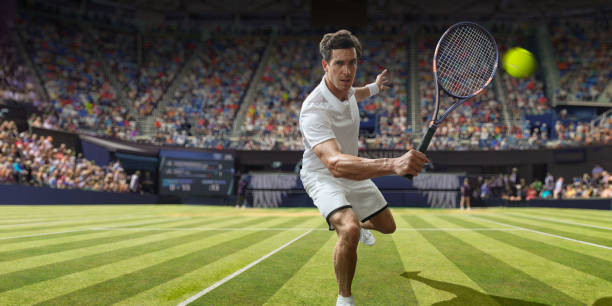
(465, 295)
(604, 301)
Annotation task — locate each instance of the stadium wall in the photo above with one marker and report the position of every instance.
(597, 203)
(27, 195)
(566, 162)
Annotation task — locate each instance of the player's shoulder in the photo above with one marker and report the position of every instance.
(316, 101)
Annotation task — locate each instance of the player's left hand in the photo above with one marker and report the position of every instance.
(383, 80)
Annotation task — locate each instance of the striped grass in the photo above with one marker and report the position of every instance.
(165, 254)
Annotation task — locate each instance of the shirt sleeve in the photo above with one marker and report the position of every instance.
(316, 127)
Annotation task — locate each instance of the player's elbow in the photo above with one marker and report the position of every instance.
(333, 165)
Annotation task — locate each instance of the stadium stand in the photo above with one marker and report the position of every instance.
(78, 91)
(597, 184)
(582, 50)
(524, 96)
(17, 82)
(108, 90)
(30, 159)
(203, 108)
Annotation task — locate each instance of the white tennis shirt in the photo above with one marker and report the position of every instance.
(323, 117)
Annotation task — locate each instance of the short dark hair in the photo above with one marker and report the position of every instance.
(342, 39)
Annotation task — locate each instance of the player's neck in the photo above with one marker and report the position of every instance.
(341, 95)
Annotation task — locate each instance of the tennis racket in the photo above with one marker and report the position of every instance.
(464, 64)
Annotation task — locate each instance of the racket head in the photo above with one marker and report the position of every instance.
(465, 60)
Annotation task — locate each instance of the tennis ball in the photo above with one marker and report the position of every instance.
(519, 62)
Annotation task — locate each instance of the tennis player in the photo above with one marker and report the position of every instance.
(334, 177)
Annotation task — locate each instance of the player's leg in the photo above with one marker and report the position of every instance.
(382, 222)
(345, 253)
(370, 207)
(328, 194)
(461, 202)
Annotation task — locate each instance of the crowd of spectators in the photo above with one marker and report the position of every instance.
(291, 73)
(205, 104)
(583, 133)
(31, 159)
(202, 110)
(163, 58)
(582, 50)
(597, 184)
(390, 108)
(80, 95)
(525, 95)
(17, 83)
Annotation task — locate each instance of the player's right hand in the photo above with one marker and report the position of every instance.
(412, 162)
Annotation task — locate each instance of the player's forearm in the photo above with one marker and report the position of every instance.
(361, 93)
(357, 168)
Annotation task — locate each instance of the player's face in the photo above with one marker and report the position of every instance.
(341, 68)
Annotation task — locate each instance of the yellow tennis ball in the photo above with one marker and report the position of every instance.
(519, 62)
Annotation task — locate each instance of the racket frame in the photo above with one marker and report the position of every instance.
(435, 121)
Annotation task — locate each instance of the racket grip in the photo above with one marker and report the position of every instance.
(425, 143)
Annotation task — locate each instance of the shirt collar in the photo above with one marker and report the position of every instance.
(329, 96)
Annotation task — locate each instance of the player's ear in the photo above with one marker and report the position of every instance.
(324, 64)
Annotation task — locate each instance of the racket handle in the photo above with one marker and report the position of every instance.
(425, 143)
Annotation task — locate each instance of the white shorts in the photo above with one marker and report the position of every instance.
(332, 194)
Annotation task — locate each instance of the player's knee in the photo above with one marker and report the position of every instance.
(349, 233)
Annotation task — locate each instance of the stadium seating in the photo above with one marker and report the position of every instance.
(80, 94)
(582, 50)
(209, 96)
(524, 96)
(98, 83)
(17, 82)
(33, 160)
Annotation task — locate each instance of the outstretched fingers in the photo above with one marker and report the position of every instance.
(383, 80)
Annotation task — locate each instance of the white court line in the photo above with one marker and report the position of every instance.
(563, 221)
(68, 221)
(546, 234)
(208, 229)
(288, 229)
(457, 229)
(44, 234)
(229, 277)
(77, 230)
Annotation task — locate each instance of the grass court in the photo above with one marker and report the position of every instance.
(203, 255)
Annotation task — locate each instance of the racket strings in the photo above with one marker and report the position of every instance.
(465, 60)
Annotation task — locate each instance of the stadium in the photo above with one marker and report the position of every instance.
(157, 153)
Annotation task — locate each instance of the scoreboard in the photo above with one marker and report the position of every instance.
(196, 173)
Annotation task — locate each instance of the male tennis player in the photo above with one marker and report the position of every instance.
(334, 177)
